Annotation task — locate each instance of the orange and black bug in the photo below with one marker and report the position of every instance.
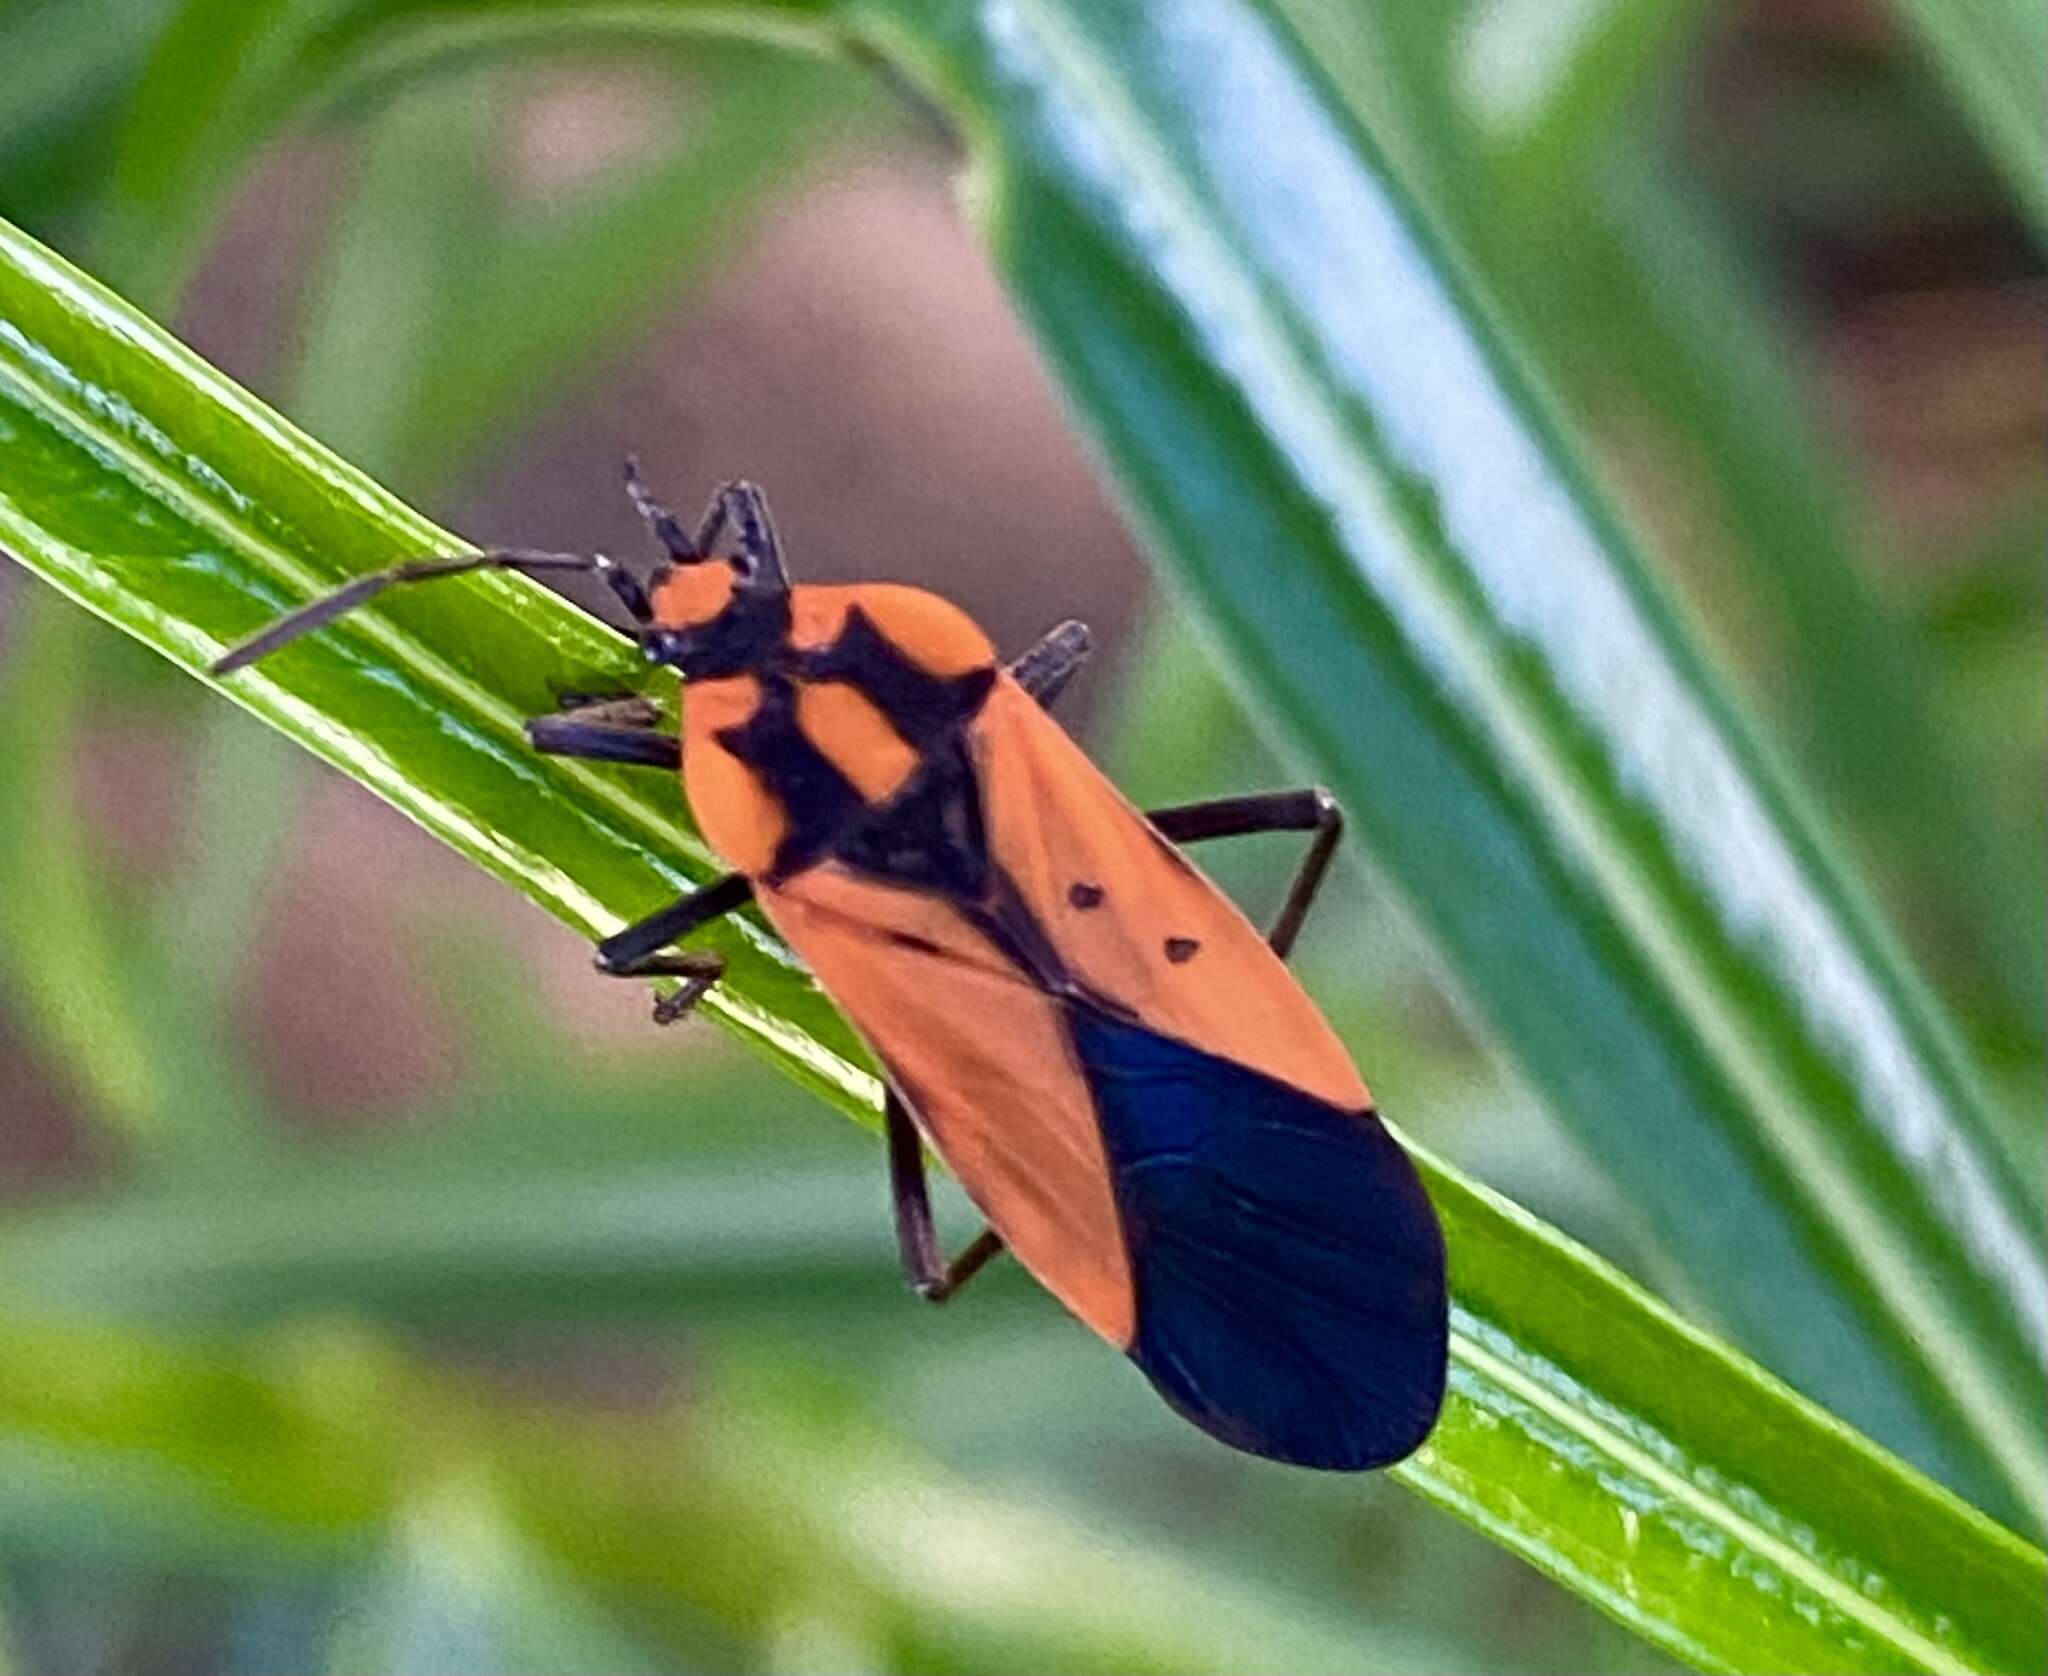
(1120, 1070)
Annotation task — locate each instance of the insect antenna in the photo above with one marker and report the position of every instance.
(352, 594)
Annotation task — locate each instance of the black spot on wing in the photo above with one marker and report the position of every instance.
(1289, 1267)
(1084, 895)
(1180, 950)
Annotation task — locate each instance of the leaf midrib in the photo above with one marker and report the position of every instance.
(1753, 1537)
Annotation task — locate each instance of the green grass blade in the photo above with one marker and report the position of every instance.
(657, 1239)
(68, 68)
(1990, 53)
(57, 942)
(1670, 1455)
(1634, 302)
(192, 119)
(725, 1510)
(147, 487)
(190, 544)
(562, 302)
(1355, 480)
(397, 271)
(1860, 681)
(1654, 1472)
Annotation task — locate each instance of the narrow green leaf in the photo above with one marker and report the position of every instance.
(1627, 293)
(418, 218)
(1587, 1428)
(795, 1469)
(1696, 1498)
(64, 53)
(119, 1433)
(726, 1510)
(1356, 481)
(194, 116)
(68, 68)
(480, 308)
(1860, 682)
(190, 544)
(56, 942)
(1550, 91)
(654, 1237)
(1649, 1469)
(226, 75)
(1990, 53)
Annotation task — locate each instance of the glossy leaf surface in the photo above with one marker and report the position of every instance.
(1357, 481)
(1811, 1066)
(1656, 1473)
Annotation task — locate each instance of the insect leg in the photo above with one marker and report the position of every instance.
(625, 708)
(637, 951)
(603, 741)
(1309, 810)
(931, 1278)
(1047, 667)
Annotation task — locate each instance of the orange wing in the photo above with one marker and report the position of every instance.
(981, 1056)
(1132, 917)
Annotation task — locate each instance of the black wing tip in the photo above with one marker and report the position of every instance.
(1289, 1265)
(1398, 1425)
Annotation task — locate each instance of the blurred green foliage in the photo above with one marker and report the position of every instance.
(783, 1465)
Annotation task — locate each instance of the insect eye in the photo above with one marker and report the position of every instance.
(665, 646)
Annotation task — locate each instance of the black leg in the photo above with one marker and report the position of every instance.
(619, 709)
(638, 950)
(699, 971)
(1047, 667)
(571, 736)
(1311, 810)
(931, 1278)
